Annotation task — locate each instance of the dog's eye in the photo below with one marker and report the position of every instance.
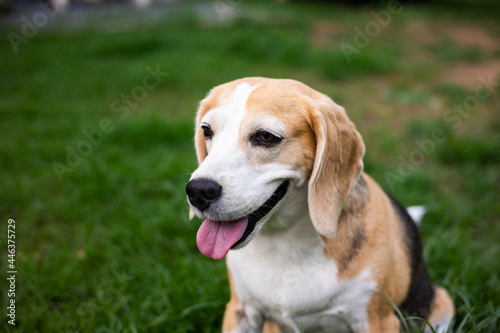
(265, 138)
(207, 132)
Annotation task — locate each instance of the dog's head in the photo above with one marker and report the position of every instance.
(257, 140)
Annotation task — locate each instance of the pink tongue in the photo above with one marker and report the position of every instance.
(214, 238)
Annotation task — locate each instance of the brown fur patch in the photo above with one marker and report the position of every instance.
(355, 205)
(270, 327)
(357, 242)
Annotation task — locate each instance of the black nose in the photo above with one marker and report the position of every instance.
(201, 192)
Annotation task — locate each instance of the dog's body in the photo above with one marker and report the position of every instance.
(321, 247)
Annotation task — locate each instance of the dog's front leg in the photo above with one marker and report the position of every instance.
(239, 318)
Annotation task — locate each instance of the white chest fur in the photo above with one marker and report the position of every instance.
(285, 277)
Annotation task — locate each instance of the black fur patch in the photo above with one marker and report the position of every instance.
(355, 204)
(358, 241)
(421, 293)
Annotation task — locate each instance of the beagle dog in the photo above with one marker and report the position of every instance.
(312, 243)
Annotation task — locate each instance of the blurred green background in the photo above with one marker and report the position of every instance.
(95, 150)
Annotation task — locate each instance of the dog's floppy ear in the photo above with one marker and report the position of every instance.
(337, 165)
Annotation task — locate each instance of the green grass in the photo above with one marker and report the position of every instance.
(110, 246)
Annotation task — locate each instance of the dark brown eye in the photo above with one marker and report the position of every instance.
(265, 139)
(207, 132)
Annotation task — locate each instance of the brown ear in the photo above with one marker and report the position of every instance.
(199, 142)
(337, 165)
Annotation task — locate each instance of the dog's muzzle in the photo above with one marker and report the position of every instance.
(216, 238)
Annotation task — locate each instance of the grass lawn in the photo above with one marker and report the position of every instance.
(96, 126)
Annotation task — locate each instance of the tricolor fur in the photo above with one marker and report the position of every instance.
(314, 243)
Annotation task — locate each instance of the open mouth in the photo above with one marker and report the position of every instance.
(257, 215)
(216, 238)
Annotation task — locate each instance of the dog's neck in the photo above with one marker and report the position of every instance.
(292, 210)
(292, 220)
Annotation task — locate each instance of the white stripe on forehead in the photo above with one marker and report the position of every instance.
(231, 109)
(225, 121)
(224, 159)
